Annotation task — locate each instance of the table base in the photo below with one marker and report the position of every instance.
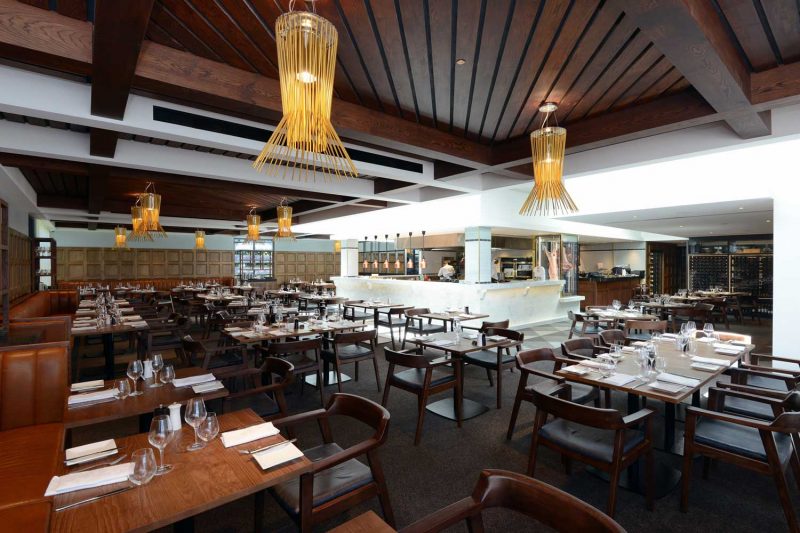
(446, 408)
(666, 479)
(311, 379)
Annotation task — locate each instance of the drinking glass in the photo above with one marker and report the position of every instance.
(194, 416)
(209, 428)
(684, 329)
(457, 329)
(158, 364)
(616, 305)
(607, 366)
(167, 374)
(616, 352)
(123, 388)
(630, 304)
(159, 436)
(708, 329)
(135, 370)
(661, 365)
(144, 466)
(691, 327)
(643, 358)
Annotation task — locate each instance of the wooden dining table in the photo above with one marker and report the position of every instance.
(107, 333)
(448, 317)
(200, 480)
(275, 332)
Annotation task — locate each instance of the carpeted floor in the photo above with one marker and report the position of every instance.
(445, 466)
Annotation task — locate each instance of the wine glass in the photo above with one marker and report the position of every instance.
(209, 428)
(123, 388)
(616, 305)
(167, 374)
(691, 327)
(135, 370)
(159, 436)
(606, 367)
(661, 365)
(144, 466)
(630, 304)
(158, 364)
(708, 329)
(194, 416)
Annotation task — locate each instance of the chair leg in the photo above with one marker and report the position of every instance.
(686, 477)
(321, 388)
(377, 376)
(338, 370)
(356, 371)
(783, 494)
(612, 490)
(422, 400)
(489, 376)
(391, 336)
(383, 493)
(515, 409)
(499, 387)
(386, 387)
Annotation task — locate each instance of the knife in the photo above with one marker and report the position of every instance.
(80, 457)
(259, 450)
(94, 498)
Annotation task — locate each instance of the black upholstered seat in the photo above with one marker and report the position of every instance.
(743, 407)
(488, 358)
(415, 377)
(592, 442)
(580, 393)
(739, 439)
(766, 383)
(347, 352)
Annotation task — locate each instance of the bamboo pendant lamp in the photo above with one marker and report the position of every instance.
(253, 226)
(120, 237)
(199, 240)
(284, 221)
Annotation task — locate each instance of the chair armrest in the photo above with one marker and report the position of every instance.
(770, 369)
(256, 390)
(757, 356)
(301, 417)
(789, 380)
(726, 417)
(717, 395)
(769, 393)
(634, 419)
(345, 455)
(443, 518)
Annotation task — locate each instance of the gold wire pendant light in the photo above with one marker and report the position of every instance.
(199, 240)
(120, 237)
(548, 195)
(150, 202)
(396, 257)
(386, 259)
(284, 221)
(138, 229)
(365, 264)
(253, 226)
(305, 141)
(375, 257)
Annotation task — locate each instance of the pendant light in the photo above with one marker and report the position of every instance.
(305, 141)
(253, 226)
(337, 246)
(548, 195)
(422, 263)
(199, 240)
(410, 263)
(284, 221)
(365, 264)
(120, 237)
(396, 257)
(386, 259)
(138, 229)
(150, 202)
(374, 257)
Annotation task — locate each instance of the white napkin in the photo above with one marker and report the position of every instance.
(84, 328)
(670, 335)
(629, 349)
(90, 452)
(208, 387)
(639, 343)
(720, 347)
(193, 380)
(666, 387)
(233, 329)
(592, 364)
(712, 361)
(277, 456)
(132, 318)
(89, 479)
(248, 434)
(139, 324)
(85, 385)
(707, 339)
(576, 369)
(496, 338)
(444, 342)
(619, 379)
(680, 380)
(77, 399)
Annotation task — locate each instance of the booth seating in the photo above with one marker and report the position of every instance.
(45, 304)
(160, 284)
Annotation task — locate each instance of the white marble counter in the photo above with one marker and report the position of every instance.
(524, 303)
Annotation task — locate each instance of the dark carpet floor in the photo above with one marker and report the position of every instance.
(445, 466)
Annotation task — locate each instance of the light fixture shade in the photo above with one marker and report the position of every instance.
(548, 195)
(397, 263)
(386, 263)
(253, 227)
(375, 264)
(199, 240)
(284, 223)
(410, 262)
(423, 264)
(120, 237)
(138, 228)
(337, 246)
(151, 210)
(305, 141)
(365, 264)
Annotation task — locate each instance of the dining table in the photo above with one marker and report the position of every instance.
(455, 348)
(375, 307)
(107, 334)
(447, 317)
(199, 481)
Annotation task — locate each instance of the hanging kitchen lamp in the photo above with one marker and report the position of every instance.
(548, 195)
(337, 246)
(120, 237)
(365, 264)
(138, 229)
(422, 263)
(253, 226)
(150, 202)
(396, 257)
(410, 262)
(374, 257)
(386, 259)
(305, 141)
(284, 221)
(199, 240)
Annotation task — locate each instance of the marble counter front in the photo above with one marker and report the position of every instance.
(524, 303)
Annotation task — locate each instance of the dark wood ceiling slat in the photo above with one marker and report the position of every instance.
(469, 20)
(627, 78)
(665, 82)
(158, 34)
(784, 22)
(440, 20)
(33, 180)
(43, 4)
(178, 30)
(660, 69)
(413, 19)
(743, 20)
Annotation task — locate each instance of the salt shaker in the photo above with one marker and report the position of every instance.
(175, 416)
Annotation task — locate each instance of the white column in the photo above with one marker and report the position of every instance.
(349, 258)
(785, 274)
(478, 255)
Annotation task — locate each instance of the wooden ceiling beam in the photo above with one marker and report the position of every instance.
(102, 142)
(692, 37)
(98, 181)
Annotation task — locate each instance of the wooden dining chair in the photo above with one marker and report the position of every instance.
(542, 362)
(585, 327)
(337, 480)
(642, 330)
(424, 377)
(610, 337)
(765, 447)
(743, 404)
(601, 438)
(210, 355)
(497, 359)
(352, 313)
(417, 325)
(486, 325)
(351, 348)
(581, 349)
(392, 318)
(305, 357)
(260, 389)
(765, 377)
(535, 499)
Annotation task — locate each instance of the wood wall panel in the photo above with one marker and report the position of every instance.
(306, 265)
(20, 268)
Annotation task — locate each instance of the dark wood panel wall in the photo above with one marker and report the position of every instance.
(305, 265)
(20, 268)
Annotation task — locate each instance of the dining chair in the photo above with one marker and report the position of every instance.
(351, 348)
(610, 337)
(585, 327)
(392, 318)
(260, 389)
(535, 499)
(417, 325)
(601, 438)
(212, 356)
(581, 348)
(305, 357)
(642, 330)
(351, 313)
(337, 480)
(765, 377)
(486, 325)
(542, 362)
(498, 359)
(424, 377)
(765, 447)
(743, 405)
(168, 337)
(700, 314)
(720, 310)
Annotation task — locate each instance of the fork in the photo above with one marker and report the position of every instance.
(107, 463)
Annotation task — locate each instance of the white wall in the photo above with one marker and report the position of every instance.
(786, 275)
(304, 245)
(104, 238)
(20, 196)
(613, 254)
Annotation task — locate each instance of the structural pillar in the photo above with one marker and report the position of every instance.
(349, 258)
(478, 255)
(785, 274)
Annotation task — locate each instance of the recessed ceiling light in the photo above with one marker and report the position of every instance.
(460, 61)
(768, 220)
(683, 226)
(741, 208)
(635, 216)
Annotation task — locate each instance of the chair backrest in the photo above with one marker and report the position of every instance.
(355, 337)
(292, 347)
(576, 345)
(272, 366)
(418, 311)
(499, 324)
(370, 413)
(531, 356)
(548, 402)
(33, 385)
(646, 325)
(533, 498)
(612, 336)
(406, 359)
(510, 334)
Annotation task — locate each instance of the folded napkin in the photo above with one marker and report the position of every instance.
(680, 380)
(712, 361)
(576, 369)
(496, 338)
(137, 324)
(229, 330)
(84, 328)
(639, 343)
(619, 379)
(132, 318)
(77, 399)
(464, 315)
(193, 380)
(707, 339)
(89, 479)
(670, 335)
(277, 456)
(592, 364)
(722, 348)
(629, 349)
(666, 386)
(208, 387)
(90, 452)
(248, 434)
(86, 385)
(444, 342)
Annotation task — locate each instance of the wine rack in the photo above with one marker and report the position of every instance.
(752, 274)
(708, 271)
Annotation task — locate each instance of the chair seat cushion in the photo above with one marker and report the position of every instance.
(355, 315)
(766, 383)
(347, 352)
(487, 358)
(743, 407)
(426, 329)
(739, 439)
(590, 330)
(262, 404)
(591, 442)
(328, 484)
(414, 377)
(583, 352)
(639, 336)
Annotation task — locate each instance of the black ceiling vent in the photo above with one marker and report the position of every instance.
(200, 122)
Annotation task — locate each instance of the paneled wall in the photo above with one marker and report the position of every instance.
(20, 273)
(77, 264)
(305, 265)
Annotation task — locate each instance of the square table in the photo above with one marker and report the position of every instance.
(107, 333)
(448, 317)
(200, 480)
(446, 407)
